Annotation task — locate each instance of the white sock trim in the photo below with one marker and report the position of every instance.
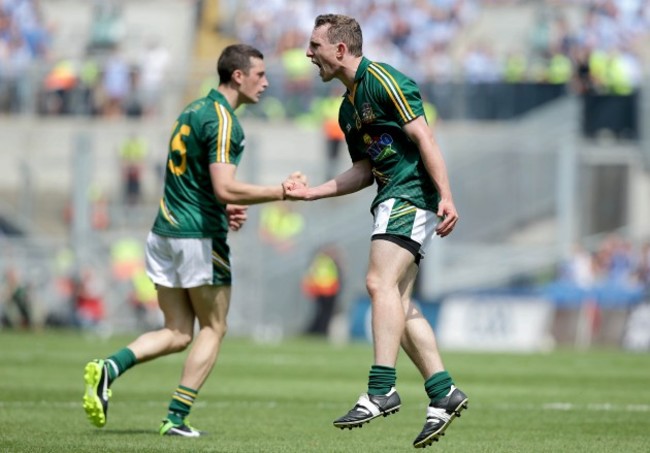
(114, 366)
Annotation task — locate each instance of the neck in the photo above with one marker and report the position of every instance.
(231, 95)
(349, 71)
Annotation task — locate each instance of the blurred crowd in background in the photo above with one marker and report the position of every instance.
(601, 51)
(614, 265)
(614, 259)
(601, 54)
(421, 35)
(101, 81)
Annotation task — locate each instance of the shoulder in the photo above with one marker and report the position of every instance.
(194, 113)
(383, 71)
(218, 114)
(384, 78)
(196, 105)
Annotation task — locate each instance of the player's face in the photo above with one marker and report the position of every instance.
(323, 54)
(254, 83)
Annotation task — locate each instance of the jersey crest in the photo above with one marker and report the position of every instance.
(367, 115)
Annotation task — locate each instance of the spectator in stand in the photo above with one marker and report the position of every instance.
(481, 65)
(30, 21)
(133, 152)
(579, 269)
(58, 87)
(615, 260)
(107, 29)
(297, 72)
(539, 34)
(15, 305)
(15, 60)
(87, 301)
(322, 283)
(644, 266)
(153, 67)
(481, 71)
(326, 110)
(622, 259)
(24, 38)
(582, 82)
(564, 39)
(624, 71)
(116, 84)
(280, 225)
(89, 86)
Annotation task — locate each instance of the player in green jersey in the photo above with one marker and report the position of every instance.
(187, 254)
(391, 143)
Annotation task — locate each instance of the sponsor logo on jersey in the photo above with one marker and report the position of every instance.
(379, 147)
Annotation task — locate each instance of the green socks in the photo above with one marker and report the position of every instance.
(119, 362)
(381, 379)
(182, 399)
(181, 404)
(438, 385)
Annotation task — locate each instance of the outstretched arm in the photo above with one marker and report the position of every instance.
(419, 131)
(230, 191)
(357, 177)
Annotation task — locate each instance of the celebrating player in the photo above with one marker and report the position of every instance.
(389, 141)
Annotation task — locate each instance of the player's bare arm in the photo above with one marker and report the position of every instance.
(230, 191)
(356, 178)
(419, 131)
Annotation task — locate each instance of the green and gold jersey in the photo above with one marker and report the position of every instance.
(207, 131)
(372, 116)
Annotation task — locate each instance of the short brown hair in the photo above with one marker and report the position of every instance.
(234, 57)
(343, 29)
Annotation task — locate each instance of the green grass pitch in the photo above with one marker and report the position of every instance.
(283, 398)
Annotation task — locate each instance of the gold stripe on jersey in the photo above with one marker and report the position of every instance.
(168, 215)
(219, 261)
(393, 90)
(223, 135)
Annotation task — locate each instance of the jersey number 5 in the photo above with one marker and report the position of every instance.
(178, 147)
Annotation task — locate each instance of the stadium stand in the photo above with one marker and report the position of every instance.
(526, 170)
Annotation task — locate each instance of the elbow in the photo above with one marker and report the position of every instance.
(224, 196)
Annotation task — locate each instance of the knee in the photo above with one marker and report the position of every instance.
(220, 330)
(373, 284)
(215, 329)
(180, 341)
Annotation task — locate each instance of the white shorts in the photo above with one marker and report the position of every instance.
(187, 262)
(397, 217)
